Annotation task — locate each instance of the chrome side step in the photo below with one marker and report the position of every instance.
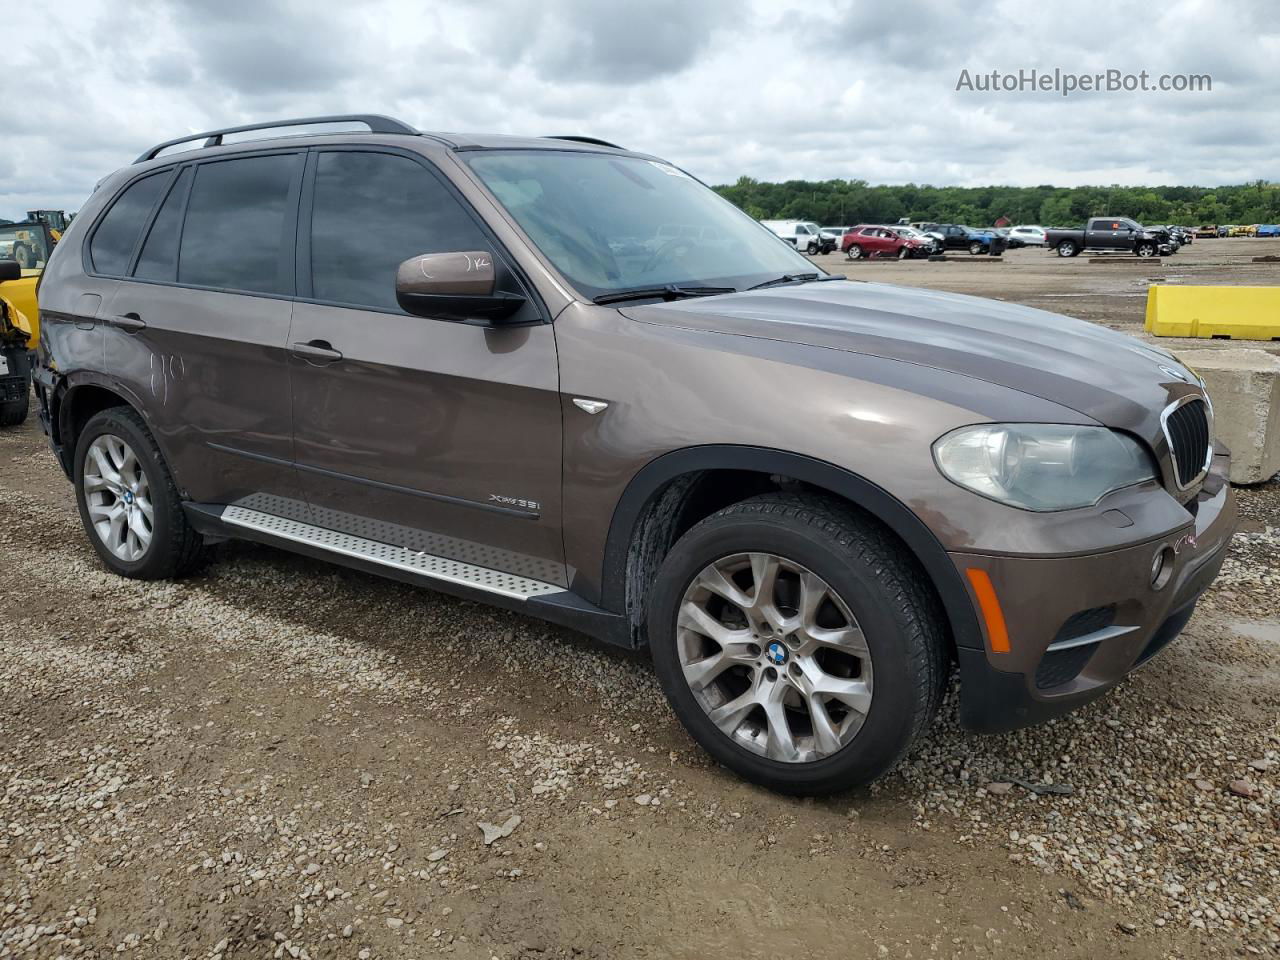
(389, 555)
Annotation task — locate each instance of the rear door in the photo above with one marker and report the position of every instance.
(439, 436)
(196, 329)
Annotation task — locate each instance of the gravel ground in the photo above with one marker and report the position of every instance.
(277, 758)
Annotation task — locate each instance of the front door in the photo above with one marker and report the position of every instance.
(438, 436)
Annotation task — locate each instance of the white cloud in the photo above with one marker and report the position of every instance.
(771, 90)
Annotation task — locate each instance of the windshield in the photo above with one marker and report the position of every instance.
(611, 223)
(24, 242)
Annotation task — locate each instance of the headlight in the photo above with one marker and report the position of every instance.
(1042, 466)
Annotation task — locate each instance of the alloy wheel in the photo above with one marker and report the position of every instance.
(118, 498)
(774, 657)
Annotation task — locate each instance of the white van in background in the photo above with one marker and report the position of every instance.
(804, 235)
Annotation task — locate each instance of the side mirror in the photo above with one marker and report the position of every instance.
(454, 286)
(10, 270)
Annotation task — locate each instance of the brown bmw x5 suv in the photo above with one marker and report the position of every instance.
(569, 379)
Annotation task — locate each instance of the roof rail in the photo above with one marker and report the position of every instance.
(213, 138)
(592, 140)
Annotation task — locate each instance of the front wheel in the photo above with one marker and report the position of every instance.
(854, 252)
(1145, 249)
(795, 643)
(976, 248)
(904, 253)
(128, 502)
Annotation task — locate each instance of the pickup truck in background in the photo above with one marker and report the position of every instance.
(1110, 233)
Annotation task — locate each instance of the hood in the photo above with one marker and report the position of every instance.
(1113, 378)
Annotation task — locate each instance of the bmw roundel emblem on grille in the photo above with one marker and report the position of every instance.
(777, 654)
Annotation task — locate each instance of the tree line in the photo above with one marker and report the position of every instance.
(856, 201)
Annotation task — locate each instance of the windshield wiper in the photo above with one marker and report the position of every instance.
(796, 278)
(670, 291)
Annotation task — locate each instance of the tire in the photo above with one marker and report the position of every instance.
(812, 249)
(1145, 249)
(904, 253)
(1067, 248)
(14, 412)
(174, 547)
(861, 567)
(976, 248)
(854, 252)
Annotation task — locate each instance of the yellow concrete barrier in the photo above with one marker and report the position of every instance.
(1236, 313)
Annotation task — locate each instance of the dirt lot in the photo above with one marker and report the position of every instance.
(280, 758)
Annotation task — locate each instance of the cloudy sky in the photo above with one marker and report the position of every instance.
(763, 88)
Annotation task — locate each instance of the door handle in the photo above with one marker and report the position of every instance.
(320, 350)
(129, 321)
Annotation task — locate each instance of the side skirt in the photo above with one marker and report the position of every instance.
(546, 601)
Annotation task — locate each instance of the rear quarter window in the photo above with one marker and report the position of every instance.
(117, 233)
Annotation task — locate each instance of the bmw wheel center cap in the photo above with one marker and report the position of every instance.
(776, 653)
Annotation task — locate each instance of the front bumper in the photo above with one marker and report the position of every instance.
(1077, 625)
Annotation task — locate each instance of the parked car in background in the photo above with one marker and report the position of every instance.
(1268, 230)
(1028, 236)
(931, 242)
(805, 235)
(870, 241)
(835, 233)
(956, 236)
(805, 497)
(1243, 230)
(1207, 232)
(1110, 234)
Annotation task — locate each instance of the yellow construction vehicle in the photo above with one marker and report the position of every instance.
(17, 339)
(24, 251)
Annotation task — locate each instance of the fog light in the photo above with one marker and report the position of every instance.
(1161, 567)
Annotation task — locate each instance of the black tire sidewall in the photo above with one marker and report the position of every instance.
(890, 724)
(156, 560)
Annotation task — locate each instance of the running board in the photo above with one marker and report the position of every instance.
(391, 556)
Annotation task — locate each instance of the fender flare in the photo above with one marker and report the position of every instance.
(655, 475)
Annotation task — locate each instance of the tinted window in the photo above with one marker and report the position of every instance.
(372, 212)
(113, 241)
(234, 233)
(159, 260)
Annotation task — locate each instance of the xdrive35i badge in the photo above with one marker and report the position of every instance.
(515, 502)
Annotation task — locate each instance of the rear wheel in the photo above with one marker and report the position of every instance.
(128, 502)
(14, 412)
(854, 252)
(795, 643)
(1067, 248)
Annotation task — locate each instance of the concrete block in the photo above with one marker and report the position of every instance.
(1229, 313)
(1244, 386)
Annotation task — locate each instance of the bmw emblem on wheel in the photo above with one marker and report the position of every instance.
(776, 654)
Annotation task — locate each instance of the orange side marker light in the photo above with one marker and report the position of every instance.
(989, 604)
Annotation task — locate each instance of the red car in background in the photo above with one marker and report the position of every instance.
(873, 240)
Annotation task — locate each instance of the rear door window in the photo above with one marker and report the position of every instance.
(373, 211)
(113, 241)
(239, 225)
